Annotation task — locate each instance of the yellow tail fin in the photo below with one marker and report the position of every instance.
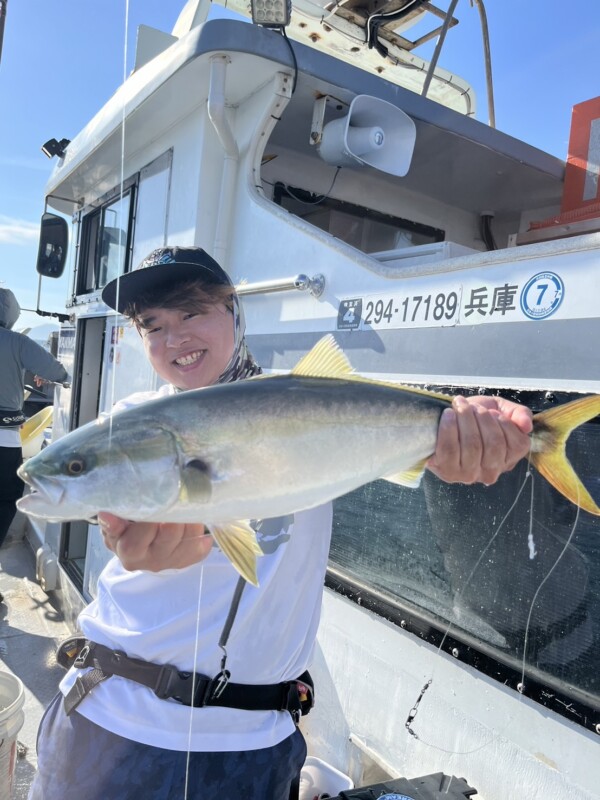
(551, 429)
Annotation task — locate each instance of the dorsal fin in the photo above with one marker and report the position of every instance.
(325, 360)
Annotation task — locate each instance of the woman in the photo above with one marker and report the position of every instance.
(170, 597)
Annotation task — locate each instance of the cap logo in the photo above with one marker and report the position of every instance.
(161, 256)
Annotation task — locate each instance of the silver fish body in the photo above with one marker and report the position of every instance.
(262, 448)
(248, 450)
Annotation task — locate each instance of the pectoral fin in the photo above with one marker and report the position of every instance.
(238, 542)
(411, 478)
(196, 481)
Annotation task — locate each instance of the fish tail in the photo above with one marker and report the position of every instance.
(551, 429)
(237, 541)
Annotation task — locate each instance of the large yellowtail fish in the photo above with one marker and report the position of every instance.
(264, 447)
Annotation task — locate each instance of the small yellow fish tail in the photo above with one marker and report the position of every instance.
(551, 429)
(237, 541)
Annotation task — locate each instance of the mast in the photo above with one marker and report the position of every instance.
(3, 4)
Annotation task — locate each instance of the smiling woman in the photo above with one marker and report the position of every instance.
(188, 315)
(187, 348)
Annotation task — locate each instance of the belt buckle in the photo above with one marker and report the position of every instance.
(68, 650)
(176, 685)
(218, 684)
(82, 657)
(166, 685)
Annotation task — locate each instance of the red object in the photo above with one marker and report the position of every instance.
(581, 193)
(582, 188)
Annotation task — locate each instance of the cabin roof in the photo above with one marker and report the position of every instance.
(457, 159)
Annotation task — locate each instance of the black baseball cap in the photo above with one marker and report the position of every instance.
(163, 267)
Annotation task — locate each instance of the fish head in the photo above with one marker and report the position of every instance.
(106, 465)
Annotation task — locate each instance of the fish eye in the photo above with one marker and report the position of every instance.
(75, 466)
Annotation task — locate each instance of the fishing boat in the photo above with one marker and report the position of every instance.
(346, 186)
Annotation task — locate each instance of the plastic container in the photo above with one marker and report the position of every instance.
(32, 431)
(12, 698)
(319, 779)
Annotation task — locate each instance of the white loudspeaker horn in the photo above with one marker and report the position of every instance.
(374, 133)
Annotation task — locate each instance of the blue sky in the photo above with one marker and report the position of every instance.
(61, 61)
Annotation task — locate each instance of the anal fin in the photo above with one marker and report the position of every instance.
(411, 478)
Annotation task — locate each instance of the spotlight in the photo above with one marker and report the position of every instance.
(271, 13)
(53, 148)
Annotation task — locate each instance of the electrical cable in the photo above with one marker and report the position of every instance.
(295, 61)
(485, 229)
(375, 20)
(313, 202)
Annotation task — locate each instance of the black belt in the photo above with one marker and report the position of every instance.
(11, 419)
(188, 688)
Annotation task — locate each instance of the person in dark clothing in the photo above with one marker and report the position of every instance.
(18, 353)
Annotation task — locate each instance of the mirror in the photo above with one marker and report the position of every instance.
(54, 240)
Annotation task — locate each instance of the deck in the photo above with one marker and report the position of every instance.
(30, 629)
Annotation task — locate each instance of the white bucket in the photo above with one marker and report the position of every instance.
(12, 698)
(319, 779)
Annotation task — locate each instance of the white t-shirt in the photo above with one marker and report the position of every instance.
(177, 616)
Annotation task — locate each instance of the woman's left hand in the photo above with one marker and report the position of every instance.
(479, 438)
(154, 546)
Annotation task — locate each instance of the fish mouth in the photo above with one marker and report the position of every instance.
(48, 491)
(189, 359)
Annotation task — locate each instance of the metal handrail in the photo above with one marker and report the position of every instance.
(302, 283)
(488, 63)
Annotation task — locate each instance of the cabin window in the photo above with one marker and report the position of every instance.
(108, 246)
(363, 228)
(105, 241)
(511, 570)
(152, 207)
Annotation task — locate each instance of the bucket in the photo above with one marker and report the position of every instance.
(319, 779)
(12, 698)
(32, 431)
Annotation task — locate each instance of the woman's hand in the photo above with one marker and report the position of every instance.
(479, 438)
(154, 545)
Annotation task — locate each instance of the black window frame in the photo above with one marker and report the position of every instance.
(89, 226)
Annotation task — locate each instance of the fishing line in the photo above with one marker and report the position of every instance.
(464, 588)
(194, 670)
(540, 587)
(415, 708)
(113, 380)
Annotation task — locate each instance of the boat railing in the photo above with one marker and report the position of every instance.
(302, 283)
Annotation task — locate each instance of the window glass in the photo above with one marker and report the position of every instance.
(363, 228)
(364, 233)
(152, 208)
(514, 565)
(87, 271)
(104, 242)
(113, 240)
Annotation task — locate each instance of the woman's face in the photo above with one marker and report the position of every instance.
(189, 349)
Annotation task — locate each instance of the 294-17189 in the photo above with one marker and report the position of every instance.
(417, 308)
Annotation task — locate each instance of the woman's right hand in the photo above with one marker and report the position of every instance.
(154, 546)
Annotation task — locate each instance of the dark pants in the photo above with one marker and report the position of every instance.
(76, 758)
(11, 486)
